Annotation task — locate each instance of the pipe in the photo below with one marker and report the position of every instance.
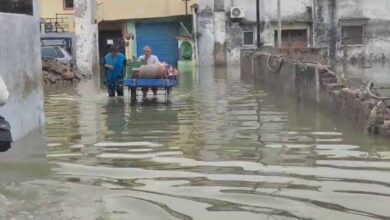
(313, 21)
(186, 3)
(279, 24)
(258, 23)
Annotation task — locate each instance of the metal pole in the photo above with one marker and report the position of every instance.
(258, 23)
(195, 31)
(186, 5)
(279, 24)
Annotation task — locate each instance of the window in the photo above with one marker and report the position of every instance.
(68, 4)
(249, 39)
(352, 35)
(49, 52)
(60, 54)
(17, 6)
(293, 38)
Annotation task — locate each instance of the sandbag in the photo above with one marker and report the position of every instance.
(152, 71)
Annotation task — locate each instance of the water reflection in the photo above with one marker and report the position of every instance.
(222, 149)
(114, 114)
(25, 162)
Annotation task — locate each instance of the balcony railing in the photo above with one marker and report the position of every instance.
(62, 23)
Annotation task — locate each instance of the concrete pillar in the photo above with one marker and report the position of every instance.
(332, 5)
(320, 23)
(86, 31)
(220, 32)
(206, 31)
(325, 26)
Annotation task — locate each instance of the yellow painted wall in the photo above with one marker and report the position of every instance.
(49, 9)
(110, 10)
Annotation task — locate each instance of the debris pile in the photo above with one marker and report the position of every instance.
(56, 72)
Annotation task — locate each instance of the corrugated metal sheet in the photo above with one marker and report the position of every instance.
(161, 37)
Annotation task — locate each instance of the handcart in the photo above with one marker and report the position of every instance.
(134, 84)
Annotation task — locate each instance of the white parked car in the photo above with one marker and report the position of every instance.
(57, 53)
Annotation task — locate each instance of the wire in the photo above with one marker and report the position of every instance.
(280, 63)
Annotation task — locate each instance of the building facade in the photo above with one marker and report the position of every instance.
(348, 29)
(58, 24)
(72, 24)
(160, 24)
(57, 16)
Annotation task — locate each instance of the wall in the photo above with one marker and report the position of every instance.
(350, 9)
(110, 10)
(289, 77)
(49, 8)
(308, 55)
(20, 62)
(291, 10)
(315, 84)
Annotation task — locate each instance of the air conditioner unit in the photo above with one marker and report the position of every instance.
(237, 12)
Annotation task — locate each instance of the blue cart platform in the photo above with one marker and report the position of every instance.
(133, 84)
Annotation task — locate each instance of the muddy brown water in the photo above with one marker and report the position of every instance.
(221, 149)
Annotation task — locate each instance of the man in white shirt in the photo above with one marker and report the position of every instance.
(148, 57)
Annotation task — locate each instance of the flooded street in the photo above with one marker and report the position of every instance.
(221, 149)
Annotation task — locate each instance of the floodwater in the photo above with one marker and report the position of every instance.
(221, 149)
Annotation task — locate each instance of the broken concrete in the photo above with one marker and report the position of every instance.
(56, 72)
(317, 84)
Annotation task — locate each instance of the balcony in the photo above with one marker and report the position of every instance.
(62, 23)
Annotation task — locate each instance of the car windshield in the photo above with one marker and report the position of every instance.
(49, 52)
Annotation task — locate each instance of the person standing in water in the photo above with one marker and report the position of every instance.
(115, 67)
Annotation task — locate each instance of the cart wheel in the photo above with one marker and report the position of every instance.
(167, 95)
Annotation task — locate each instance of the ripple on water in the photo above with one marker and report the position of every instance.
(219, 151)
